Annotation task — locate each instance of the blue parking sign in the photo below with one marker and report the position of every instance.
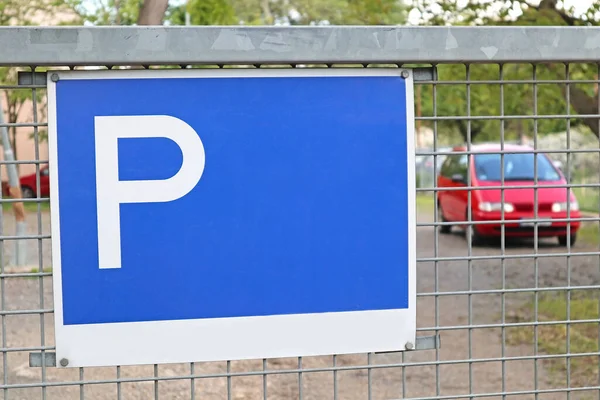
(216, 214)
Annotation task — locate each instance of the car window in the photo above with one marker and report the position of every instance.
(454, 164)
(448, 166)
(517, 167)
(462, 165)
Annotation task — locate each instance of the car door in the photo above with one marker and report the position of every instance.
(44, 182)
(460, 180)
(448, 198)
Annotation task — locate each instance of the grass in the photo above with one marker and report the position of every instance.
(553, 339)
(425, 203)
(29, 206)
(589, 233)
(588, 198)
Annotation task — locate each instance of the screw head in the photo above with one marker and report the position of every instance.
(409, 346)
(64, 362)
(405, 74)
(54, 77)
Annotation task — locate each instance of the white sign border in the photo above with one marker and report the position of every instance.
(236, 338)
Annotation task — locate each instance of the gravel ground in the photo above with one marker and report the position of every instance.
(390, 382)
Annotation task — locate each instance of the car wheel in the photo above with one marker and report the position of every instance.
(27, 192)
(441, 218)
(562, 240)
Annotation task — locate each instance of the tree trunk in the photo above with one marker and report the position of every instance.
(267, 14)
(584, 104)
(152, 12)
(463, 128)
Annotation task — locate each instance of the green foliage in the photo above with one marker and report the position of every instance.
(516, 99)
(375, 12)
(320, 12)
(491, 101)
(32, 12)
(560, 338)
(203, 12)
(108, 12)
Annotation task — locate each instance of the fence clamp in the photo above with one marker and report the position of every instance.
(421, 343)
(26, 78)
(47, 359)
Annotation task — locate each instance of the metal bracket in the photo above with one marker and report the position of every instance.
(26, 78)
(36, 360)
(424, 74)
(428, 342)
(422, 343)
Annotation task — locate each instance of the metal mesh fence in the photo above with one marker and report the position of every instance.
(517, 313)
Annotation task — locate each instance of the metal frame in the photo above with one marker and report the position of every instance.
(71, 46)
(448, 374)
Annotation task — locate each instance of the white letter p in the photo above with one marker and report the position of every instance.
(110, 192)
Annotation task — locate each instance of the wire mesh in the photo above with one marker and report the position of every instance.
(517, 312)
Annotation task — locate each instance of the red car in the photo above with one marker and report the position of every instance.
(29, 184)
(487, 205)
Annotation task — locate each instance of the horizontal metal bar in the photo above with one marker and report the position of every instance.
(505, 151)
(24, 237)
(506, 186)
(38, 79)
(40, 200)
(535, 221)
(35, 361)
(510, 82)
(8, 275)
(23, 124)
(506, 117)
(509, 393)
(422, 76)
(26, 312)
(507, 291)
(25, 349)
(507, 325)
(508, 256)
(21, 87)
(3, 162)
(291, 371)
(153, 45)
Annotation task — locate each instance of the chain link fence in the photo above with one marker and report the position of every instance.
(517, 313)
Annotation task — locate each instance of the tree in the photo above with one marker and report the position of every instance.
(518, 99)
(28, 12)
(203, 12)
(320, 12)
(152, 12)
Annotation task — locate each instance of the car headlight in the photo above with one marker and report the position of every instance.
(489, 207)
(559, 207)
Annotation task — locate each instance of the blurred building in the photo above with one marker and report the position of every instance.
(25, 142)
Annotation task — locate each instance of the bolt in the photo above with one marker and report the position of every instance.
(54, 78)
(64, 362)
(409, 346)
(405, 74)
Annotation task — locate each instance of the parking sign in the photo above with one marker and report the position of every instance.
(216, 214)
